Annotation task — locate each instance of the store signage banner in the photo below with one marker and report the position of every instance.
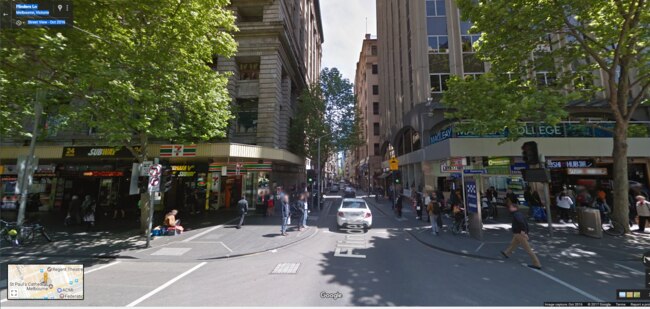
(172, 151)
(531, 130)
(569, 164)
(587, 171)
(500, 161)
(97, 152)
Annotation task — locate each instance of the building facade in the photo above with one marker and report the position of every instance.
(421, 43)
(367, 158)
(279, 55)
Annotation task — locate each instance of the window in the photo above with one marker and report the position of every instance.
(375, 69)
(373, 50)
(438, 63)
(375, 128)
(472, 64)
(436, 8)
(377, 150)
(438, 44)
(375, 89)
(437, 25)
(249, 71)
(246, 121)
(375, 108)
(439, 82)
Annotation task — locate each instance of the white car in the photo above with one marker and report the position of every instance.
(354, 211)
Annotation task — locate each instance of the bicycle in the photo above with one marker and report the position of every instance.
(22, 236)
(460, 224)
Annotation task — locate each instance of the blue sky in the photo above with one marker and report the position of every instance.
(344, 26)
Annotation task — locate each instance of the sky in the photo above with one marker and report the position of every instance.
(344, 27)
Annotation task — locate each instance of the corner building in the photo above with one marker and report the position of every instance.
(279, 55)
(421, 43)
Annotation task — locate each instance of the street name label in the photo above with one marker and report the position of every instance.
(45, 281)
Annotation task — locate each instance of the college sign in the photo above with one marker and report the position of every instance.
(531, 130)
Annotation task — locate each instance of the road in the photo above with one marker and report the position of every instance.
(389, 268)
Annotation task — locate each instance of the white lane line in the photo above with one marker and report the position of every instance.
(593, 298)
(224, 245)
(634, 271)
(208, 230)
(479, 247)
(162, 287)
(101, 267)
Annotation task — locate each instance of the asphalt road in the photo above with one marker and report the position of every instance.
(386, 267)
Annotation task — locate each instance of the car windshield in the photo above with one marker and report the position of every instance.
(357, 205)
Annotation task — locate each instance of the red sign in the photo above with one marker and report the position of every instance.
(104, 174)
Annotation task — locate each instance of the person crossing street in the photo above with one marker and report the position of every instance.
(520, 236)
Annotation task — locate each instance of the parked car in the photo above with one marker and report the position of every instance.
(349, 192)
(354, 211)
(334, 188)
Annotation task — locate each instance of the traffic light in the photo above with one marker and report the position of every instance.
(529, 153)
(397, 177)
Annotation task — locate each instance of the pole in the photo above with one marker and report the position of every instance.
(547, 198)
(29, 161)
(151, 212)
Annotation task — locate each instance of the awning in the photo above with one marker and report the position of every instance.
(384, 175)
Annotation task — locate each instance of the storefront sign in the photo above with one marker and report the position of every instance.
(517, 167)
(98, 152)
(246, 167)
(441, 135)
(183, 170)
(177, 151)
(500, 161)
(471, 195)
(475, 171)
(444, 168)
(569, 164)
(587, 171)
(104, 174)
(462, 161)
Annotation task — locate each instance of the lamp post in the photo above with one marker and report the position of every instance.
(318, 180)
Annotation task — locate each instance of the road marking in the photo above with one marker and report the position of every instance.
(224, 245)
(208, 230)
(101, 267)
(594, 298)
(168, 283)
(634, 271)
(479, 247)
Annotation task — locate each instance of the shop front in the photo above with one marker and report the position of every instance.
(228, 181)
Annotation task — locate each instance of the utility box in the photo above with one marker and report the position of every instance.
(589, 223)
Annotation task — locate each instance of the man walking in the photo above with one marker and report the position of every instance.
(286, 212)
(242, 205)
(520, 236)
(305, 209)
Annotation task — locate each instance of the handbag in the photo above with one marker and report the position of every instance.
(288, 220)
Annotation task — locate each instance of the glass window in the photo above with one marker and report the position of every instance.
(443, 43)
(438, 63)
(375, 108)
(435, 83)
(375, 69)
(373, 50)
(472, 64)
(464, 27)
(437, 25)
(431, 8)
(375, 89)
(440, 8)
(375, 128)
(377, 150)
(249, 71)
(246, 121)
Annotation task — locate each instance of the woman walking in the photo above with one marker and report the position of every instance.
(564, 203)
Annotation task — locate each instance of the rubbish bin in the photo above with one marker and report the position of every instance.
(589, 223)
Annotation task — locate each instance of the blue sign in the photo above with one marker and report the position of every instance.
(441, 135)
(475, 171)
(517, 167)
(471, 196)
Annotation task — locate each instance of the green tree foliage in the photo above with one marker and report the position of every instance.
(133, 70)
(571, 39)
(340, 104)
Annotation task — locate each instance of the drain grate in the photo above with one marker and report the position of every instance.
(286, 268)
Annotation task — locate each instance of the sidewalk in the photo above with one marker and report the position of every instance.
(565, 243)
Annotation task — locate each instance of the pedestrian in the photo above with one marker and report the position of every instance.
(171, 223)
(242, 206)
(270, 202)
(88, 208)
(74, 212)
(601, 204)
(564, 203)
(520, 236)
(286, 214)
(418, 205)
(302, 205)
(643, 210)
(305, 209)
(512, 197)
(433, 208)
(398, 205)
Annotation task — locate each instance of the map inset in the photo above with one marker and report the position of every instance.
(47, 281)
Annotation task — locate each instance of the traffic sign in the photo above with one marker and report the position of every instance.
(393, 164)
(475, 171)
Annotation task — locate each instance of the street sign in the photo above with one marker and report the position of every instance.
(144, 168)
(393, 164)
(475, 171)
(471, 195)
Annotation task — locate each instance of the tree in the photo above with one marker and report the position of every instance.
(132, 70)
(574, 38)
(339, 99)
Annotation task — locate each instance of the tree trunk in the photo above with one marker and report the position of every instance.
(621, 186)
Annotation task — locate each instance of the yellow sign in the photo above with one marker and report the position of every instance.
(393, 164)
